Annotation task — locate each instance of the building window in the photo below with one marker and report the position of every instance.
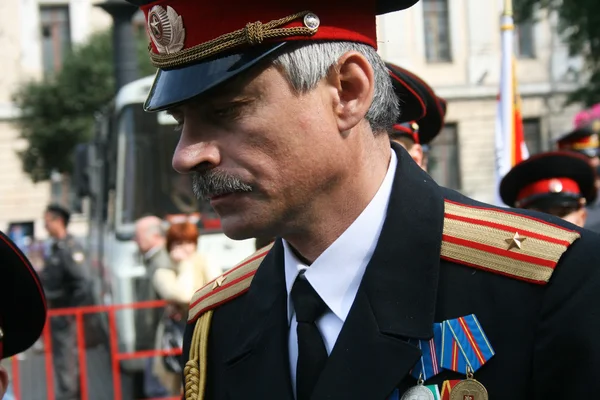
(437, 30)
(533, 135)
(443, 158)
(524, 41)
(56, 36)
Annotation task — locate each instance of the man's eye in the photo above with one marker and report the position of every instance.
(229, 111)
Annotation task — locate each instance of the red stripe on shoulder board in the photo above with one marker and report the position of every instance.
(502, 211)
(500, 252)
(221, 288)
(508, 228)
(256, 257)
(212, 306)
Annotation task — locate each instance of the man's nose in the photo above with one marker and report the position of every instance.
(191, 154)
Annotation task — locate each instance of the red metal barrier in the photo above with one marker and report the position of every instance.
(115, 355)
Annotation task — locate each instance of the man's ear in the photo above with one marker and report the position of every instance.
(353, 82)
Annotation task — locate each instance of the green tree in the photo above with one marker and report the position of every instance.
(579, 26)
(57, 113)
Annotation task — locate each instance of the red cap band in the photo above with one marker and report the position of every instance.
(408, 131)
(554, 185)
(202, 21)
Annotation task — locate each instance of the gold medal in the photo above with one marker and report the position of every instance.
(469, 389)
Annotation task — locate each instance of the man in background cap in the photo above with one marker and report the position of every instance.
(284, 111)
(422, 116)
(556, 183)
(584, 140)
(22, 308)
(66, 283)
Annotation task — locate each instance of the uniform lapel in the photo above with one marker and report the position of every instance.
(396, 299)
(258, 367)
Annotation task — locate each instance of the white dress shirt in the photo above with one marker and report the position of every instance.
(336, 274)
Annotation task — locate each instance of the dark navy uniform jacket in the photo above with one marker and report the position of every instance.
(545, 334)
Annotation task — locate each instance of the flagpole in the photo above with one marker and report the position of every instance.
(506, 89)
(504, 128)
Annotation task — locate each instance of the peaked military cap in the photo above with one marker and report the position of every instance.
(22, 301)
(413, 96)
(583, 140)
(423, 131)
(197, 45)
(558, 178)
(421, 110)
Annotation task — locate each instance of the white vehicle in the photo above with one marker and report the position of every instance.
(126, 173)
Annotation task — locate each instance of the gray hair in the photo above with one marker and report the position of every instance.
(304, 65)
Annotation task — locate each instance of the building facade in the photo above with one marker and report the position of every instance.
(35, 36)
(455, 46)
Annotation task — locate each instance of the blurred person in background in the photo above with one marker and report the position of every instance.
(66, 282)
(177, 284)
(556, 183)
(151, 241)
(423, 114)
(584, 140)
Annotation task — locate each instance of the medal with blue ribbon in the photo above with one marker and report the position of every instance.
(465, 348)
(429, 365)
(458, 345)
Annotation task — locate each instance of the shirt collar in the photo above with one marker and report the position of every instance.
(336, 274)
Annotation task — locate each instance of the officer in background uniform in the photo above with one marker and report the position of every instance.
(22, 305)
(584, 140)
(66, 283)
(556, 183)
(381, 284)
(421, 119)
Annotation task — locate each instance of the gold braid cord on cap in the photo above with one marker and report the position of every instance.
(227, 287)
(253, 33)
(503, 242)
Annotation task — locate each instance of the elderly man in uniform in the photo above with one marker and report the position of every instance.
(557, 183)
(422, 117)
(23, 306)
(66, 282)
(584, 140)
(380, 284)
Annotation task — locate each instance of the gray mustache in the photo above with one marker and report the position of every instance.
(216, 183)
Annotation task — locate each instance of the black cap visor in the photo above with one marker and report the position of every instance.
(175, 86)
(23, 311)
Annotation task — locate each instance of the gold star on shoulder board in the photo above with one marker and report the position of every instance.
(515, 242)
(218, 282)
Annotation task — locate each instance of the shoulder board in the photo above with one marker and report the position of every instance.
(503, 242)
(226, 287)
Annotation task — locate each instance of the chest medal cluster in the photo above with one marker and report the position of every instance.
(458, 345)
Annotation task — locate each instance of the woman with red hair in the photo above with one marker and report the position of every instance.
(188, 272)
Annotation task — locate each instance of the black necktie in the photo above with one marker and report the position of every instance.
(312, 354)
